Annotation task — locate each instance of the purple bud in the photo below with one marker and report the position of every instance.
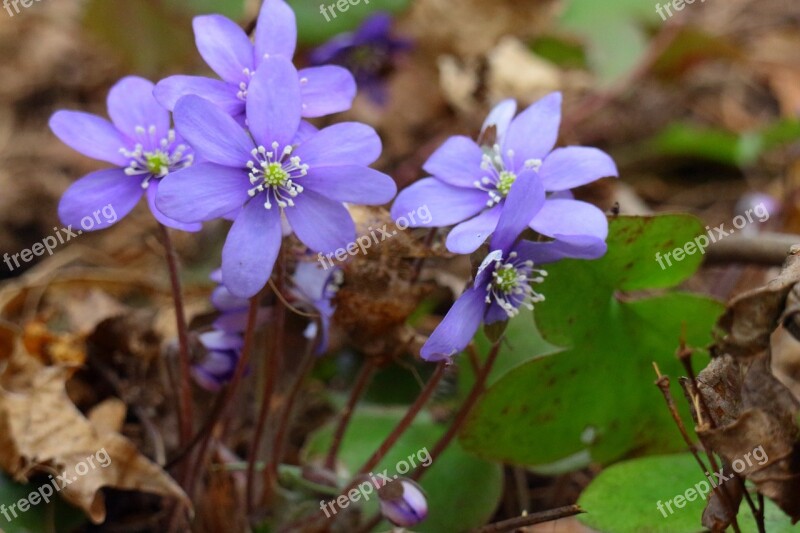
(403, 503)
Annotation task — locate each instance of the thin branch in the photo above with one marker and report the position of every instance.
(528, 520)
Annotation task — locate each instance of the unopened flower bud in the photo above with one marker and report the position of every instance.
(403, 503)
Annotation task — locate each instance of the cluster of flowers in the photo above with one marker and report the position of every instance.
(242, 150)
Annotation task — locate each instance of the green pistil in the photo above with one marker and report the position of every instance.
(505, 182)
(506, 279)
(157, 163)
(274, 175)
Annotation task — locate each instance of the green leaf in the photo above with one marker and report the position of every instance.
(614, 31)
(314, 29)
(462, 491)
(595, 401)
(54, 516)
(624, 499)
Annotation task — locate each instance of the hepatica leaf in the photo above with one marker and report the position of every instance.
(463, 492)
(624, 498)
(595, 401)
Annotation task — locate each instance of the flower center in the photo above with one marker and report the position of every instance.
(511, 284)
(157, 163)
(275, 172)
(498, 181)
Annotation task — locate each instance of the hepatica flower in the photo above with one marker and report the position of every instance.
(503, 283)
(138, 141)
(317, 287)
(219, 363)
(470, 182)
(226, 48)
(369, 53)
(278, 168)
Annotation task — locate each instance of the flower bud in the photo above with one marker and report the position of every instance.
(403, 503)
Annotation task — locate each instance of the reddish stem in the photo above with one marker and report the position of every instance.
(360, 386)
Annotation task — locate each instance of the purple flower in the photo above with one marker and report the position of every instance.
(232, 309)
(470, 182)
(403, 503)
(368, 53)
(503, 282)
(219, 363)
(226, 48)
(278, 168)
(138, 141)
(317, 287)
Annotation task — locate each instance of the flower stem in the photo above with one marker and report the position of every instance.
(185, 390)
(360, 386)
(461, 417)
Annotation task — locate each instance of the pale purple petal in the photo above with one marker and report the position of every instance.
(90, 135)
(273, 102)
(533, 134)
(350, 183)
(575, 247)
(321, 224)
(468, 236)
(251, 249)
(304, 132)
(570, 217)
(202, 192)
(152, 192)
(93, 192)
(168, 91)
(276, 30)
(224, 46)
(212, 132)
(346, 143)
(500, 117)
(326, 90)
(131, 105)
(524, 200)
(571, 167)
(455, 332)
(457, 162)
(220, 340)
(447, 204)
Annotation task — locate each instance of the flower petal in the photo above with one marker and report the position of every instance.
(468, 236)
(457, 162)
(570, 217)
(446, 203)
(533, 134)
(202, 192)
(346, 143)
(524, 200)
(458, 327)
(131, 105)
(500, 117)
(152, 192)
(212, 132)
(326, 90)
(104, 188)
(574, 247)
(321, 224)
(566, 168)
(169, 90)
(90, 135)
(350, 183)
(276, 30)
(304, 133)
(251, 249)
(224, 46)
(273, 102)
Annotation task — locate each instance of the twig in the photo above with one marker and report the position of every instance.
(528, 520)
(184, 389)
(768, 249)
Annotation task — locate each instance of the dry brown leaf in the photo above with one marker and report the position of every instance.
(41, 430)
